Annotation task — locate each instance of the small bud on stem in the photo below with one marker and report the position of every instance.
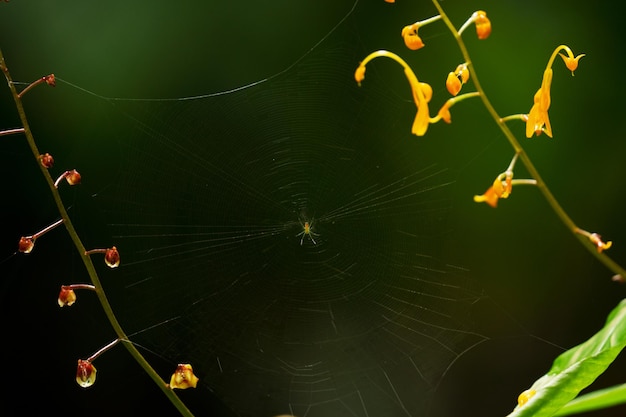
(27, 243)
(48, 79)
(85, 371)
(111, 256)
(67, 297)
(72, 177)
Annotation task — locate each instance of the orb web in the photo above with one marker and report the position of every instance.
(360, 316)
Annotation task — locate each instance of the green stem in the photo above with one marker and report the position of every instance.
(541, 185)
(108, 310)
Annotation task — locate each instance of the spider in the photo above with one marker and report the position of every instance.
(306, 231)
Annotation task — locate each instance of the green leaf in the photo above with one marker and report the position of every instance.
(595, 400)
(576, 368)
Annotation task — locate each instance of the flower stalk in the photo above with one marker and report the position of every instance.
(523, 156)
(12, 131)
(95, 280)
(48, 79)
(27, 243)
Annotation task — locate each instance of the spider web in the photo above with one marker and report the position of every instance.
(363, 317)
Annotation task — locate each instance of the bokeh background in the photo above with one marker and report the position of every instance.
(543, 291)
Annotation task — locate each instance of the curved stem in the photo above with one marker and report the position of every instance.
(106, 306)
(523, 156)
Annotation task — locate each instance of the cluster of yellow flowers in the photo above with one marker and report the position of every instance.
(537, 119)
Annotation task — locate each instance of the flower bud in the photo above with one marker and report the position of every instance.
(411, 38)
(85, 373)
(67, 296)
(183, 377)
(453, 84)
(483, 24)
(26, 244)
(46, 160)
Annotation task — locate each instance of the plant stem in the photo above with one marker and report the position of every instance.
(108, 310)
(541, 185)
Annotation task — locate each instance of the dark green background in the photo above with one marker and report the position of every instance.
(547, 288)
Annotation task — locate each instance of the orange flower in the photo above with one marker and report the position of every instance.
(422, 92)
(538, 120)
(571, 62)
(501, 188)
(456, 79)
(411, 38)
(453, 84)
(483, 24)
(409, 33)
(183, 377)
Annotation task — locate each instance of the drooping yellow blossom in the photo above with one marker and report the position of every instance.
(483, 25)
(457, 78)
(422, 92)
(410, 36)
(538, 120)
(482, 22)
(571, 62)
(501, 188)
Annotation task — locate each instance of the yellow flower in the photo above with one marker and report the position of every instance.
(501, 188)
(483, 24)
(538, 120)
(456, 79)
(571, 62)
(422, 92)
(411, 38)
(183, 377)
